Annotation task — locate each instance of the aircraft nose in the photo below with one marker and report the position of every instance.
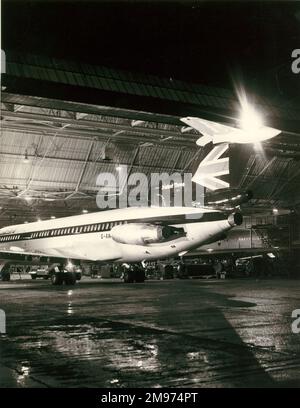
(235, 219)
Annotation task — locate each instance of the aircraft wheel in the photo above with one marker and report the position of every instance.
(140, 276)
(128, 277)
(57, 278)
(70, 278)
(5, 277)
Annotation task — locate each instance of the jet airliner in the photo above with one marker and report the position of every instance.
(129, 235)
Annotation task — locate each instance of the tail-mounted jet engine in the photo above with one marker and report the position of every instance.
(142, 234)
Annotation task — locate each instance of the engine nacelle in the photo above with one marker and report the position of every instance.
(235, 219)
(143, 234)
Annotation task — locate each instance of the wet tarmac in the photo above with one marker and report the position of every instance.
(194, 333)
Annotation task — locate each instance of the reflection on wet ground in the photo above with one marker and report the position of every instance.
(163, 333)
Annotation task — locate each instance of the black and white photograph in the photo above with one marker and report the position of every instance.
(149, 198)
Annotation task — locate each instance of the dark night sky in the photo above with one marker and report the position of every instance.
(206, 42)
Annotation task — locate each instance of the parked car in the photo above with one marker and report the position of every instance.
(39, 272)
(44, 272)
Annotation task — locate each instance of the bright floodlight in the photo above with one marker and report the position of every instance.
(251, 129)
(250, 119)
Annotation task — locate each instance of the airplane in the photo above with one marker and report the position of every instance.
(216, 133)
(127, 236)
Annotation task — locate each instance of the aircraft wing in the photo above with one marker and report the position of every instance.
(18, 252)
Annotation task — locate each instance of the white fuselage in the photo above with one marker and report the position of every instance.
(88, 236)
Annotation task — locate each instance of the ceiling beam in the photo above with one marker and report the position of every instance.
(99, 161)
(98, 124)
(84, 134)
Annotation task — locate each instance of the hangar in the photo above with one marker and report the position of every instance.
(53, 147)
(64, 122)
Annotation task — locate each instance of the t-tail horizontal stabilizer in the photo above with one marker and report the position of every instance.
(216, 133)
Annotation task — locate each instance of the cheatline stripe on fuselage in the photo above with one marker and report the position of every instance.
(107, 226)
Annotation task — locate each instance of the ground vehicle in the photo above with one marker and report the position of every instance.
(133, 273)
(39, 272)
(5, 274)
(187, 270)
(46, 272)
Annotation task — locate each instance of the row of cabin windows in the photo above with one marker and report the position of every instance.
(10, 238)
(63, 231)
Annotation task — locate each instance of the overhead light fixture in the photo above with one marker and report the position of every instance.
(53, 217)
(26, 159)
(166, 138)
(106, 158)
(250, 120)
(146, 144)
(275, 211)
(252, 125)
(137, 122)
(118, 133)
(251, 128)
(209, 249)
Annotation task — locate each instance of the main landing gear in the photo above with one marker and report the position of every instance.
(133, 273)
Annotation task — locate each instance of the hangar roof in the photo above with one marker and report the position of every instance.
(64, 122)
